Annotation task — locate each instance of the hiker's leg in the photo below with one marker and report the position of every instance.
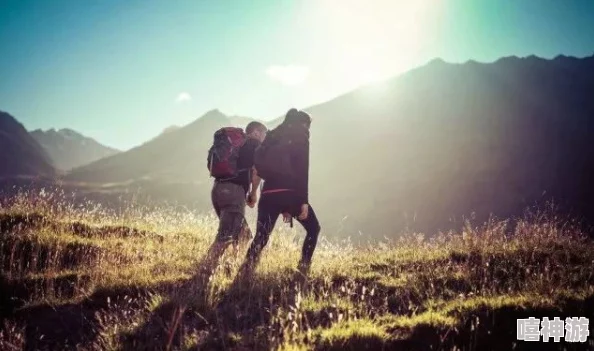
(235, 208)
(244, 238)
(229, 223)
(230, 199)
(267, 216)
(211, 260)
(217, 248)
(312, 228)
(231, 204)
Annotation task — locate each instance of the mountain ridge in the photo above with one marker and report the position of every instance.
(16, 146)
(69, 149)
(141, 162)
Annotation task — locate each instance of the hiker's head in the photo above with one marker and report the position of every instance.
(256, 130)
(295, 117)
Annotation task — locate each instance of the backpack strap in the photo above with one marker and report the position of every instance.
(234, 177)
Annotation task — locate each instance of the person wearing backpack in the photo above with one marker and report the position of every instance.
(231, 162)
(283, 162)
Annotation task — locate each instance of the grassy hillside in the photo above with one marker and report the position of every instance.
(87, 279)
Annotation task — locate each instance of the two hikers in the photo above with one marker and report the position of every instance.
(283, 162)
(231, 162)
(281, 158)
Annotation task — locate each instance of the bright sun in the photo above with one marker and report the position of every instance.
(373, 39)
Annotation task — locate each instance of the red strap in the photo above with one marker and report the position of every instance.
(275, 191)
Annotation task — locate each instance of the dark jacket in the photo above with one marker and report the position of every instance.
(298, 182)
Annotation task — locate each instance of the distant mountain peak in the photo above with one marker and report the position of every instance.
(214, 116)
(506, 59)
(69, 131)
(438, 61)
(7, 121)
(70, 149)
(214, 113)
(20, 154)
(568, 59)
(169, 129)
(516, 59)
(5, 117)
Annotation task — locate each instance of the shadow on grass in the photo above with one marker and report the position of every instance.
(78, 325)
(245, 318)
(483, 328)
(495, 329)
(189, 319)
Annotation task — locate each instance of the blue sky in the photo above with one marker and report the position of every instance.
(123, 70)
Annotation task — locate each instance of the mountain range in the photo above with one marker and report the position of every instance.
(69, 149)
(450, 140)
(19, 152)
(421, 151)
(172, 156)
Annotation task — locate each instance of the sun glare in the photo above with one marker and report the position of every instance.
(372, 40)
(369, 76)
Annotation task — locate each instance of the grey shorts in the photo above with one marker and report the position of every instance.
(229, 200)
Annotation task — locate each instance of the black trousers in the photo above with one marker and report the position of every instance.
(269, 209)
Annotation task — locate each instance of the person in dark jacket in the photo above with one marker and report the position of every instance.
(229, 198)
(287, 195)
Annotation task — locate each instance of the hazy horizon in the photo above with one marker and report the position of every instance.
(107, 68)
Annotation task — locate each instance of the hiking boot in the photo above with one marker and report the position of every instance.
(303, 268)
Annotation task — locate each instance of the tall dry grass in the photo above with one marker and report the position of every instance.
(132, 275)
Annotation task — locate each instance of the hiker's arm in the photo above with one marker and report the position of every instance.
(255, 181)
(252, 196)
